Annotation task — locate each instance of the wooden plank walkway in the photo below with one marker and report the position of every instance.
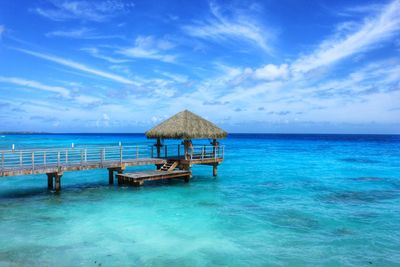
(138, 178)
(53, 168)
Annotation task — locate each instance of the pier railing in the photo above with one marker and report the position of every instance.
(194, 152)
(12, 160)
(45, 158)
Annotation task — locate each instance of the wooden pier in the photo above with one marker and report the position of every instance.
(171, 161)
(54, 162)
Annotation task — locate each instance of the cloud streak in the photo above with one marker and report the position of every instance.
(372, 32)
(220, 28)
(77, 66)
(81, 33)
(36, 85)
(97, 11)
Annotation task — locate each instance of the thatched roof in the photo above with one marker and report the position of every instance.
(186, 125)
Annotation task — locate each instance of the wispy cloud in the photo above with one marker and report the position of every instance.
(84, 10)
(236, 27)
(2, 30)
(81, 33)
(149, 47)
(77, 66)
(373, 31)
(36, 85)
(93, 51)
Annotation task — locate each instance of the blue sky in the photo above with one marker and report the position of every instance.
(268, 66)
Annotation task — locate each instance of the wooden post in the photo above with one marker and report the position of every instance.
(20, 159)
(57, 177)
(44, 158)
(187, 178)
(215, 169)
(50, 177)
(110, 176)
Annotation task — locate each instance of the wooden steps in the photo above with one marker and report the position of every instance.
(170, 165)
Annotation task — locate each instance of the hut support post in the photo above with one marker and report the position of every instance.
(186, 144)
(158, 145)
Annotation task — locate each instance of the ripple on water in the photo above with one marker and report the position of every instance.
(359, 160)
(388, 181)
(369, 196)
(294, 220)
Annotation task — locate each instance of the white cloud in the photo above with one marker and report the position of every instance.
(372, 32)
(37, 85)
(272, 72)
(222, 28)
(78, 66)
(85, 10)
(149, 47)
(2, 31)
(81, 33)
(96, 53)
(59, 90)
(176, 77)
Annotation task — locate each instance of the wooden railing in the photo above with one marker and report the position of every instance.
(33, 159)
(11, 160)
(194, 152)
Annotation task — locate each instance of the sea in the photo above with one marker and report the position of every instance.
(278, 200)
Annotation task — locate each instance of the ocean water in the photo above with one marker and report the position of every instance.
(279, 200)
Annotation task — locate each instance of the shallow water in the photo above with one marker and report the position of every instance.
(279, 200)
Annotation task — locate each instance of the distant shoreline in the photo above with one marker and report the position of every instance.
(141, 133)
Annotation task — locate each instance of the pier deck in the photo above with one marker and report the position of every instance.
(52, 168)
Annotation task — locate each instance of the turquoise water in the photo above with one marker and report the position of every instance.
(279, 200)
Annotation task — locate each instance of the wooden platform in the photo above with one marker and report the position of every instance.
(138, 178)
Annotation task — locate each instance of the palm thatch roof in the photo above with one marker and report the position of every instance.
(186, 125)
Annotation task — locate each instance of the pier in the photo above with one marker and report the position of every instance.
(172, 161)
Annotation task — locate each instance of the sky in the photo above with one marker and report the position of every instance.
(249, 66)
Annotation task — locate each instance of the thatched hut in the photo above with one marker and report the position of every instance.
(186, 126)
